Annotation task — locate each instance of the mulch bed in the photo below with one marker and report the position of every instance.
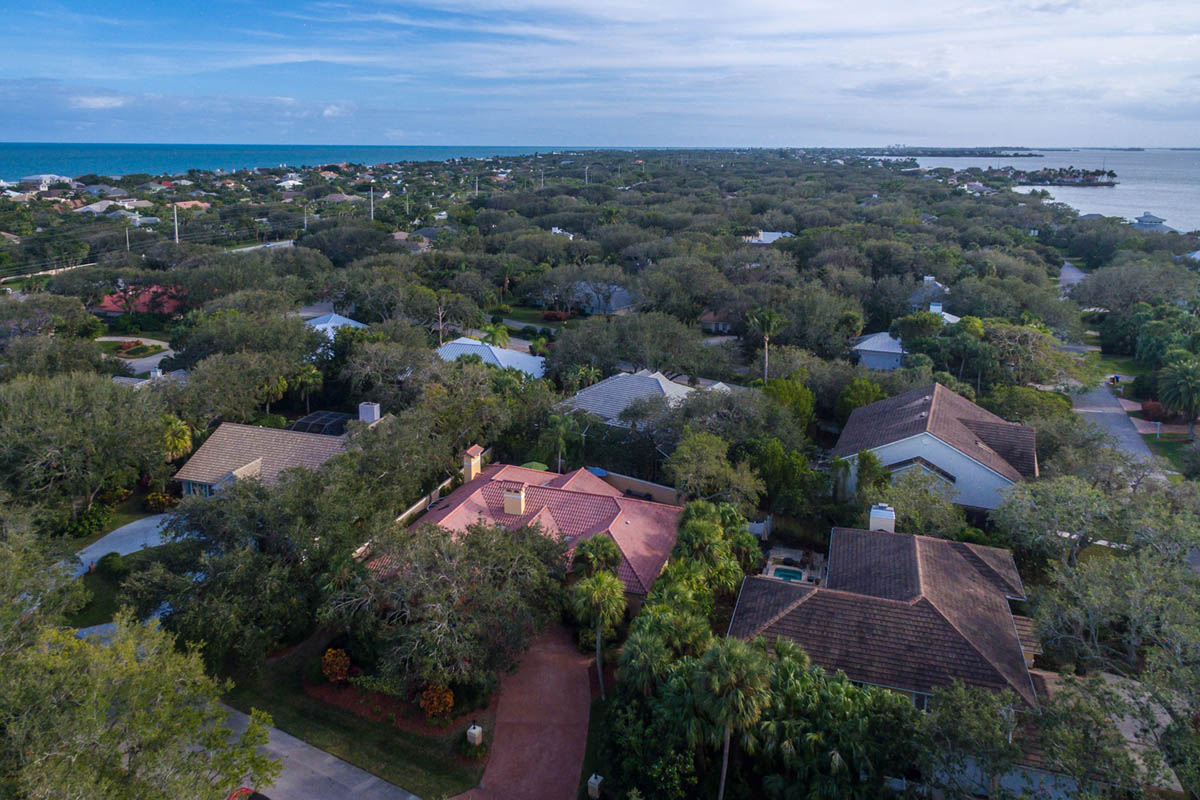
(386, 708)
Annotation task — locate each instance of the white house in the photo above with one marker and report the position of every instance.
(611, 396)
(328, 324)
(975, 453)
(534, 366)
(880, 351)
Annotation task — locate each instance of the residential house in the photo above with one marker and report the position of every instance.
(1149, 222)
(236, 452)
(716, 322)
(611, 396)
(10, 238)
(328, 324)
(338, 197)
(560, 232)
(602, 300)
(907, 613)
(976, 454)
(571, 507)
(947, 317)
(930, 291)
(534, 366)
(879, 351)
(150, 300)
(195, 205)
(767, 237)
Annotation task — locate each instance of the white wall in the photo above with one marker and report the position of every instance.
(976, 485)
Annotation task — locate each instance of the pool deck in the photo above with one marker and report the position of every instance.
(810, 565)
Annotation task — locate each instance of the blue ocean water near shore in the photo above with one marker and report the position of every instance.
(18, 159)
(1166, 182)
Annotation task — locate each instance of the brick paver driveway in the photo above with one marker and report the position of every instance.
(541, 725)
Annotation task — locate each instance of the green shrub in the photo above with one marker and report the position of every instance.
(158, 502)
(114, 566)
(271, 421)
(89, 522)
(114, 497)
(1145, 387)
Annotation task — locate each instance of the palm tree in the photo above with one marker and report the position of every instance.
(272, 389)
(585, 375)
(496, 334)
(599, 600)
(645, 660)
(308, 379)
(1179, 390)
(768, 323)
(560, 429)
(733, 689)
(177, 437)
(597, 554)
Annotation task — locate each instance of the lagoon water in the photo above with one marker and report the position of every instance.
(1164, 182)
(18, 159)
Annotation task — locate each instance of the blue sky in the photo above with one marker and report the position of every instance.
(623, 72)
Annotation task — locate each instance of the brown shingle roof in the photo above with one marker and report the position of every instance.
(234, 449)
(908, 612)
(1005, 447)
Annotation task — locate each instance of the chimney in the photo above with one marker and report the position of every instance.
(929, 278)
(368, 413)
(883, 518)
(935, 308)
(471, 462)
(514, 499)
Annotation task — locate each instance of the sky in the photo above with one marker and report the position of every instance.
(615, 73)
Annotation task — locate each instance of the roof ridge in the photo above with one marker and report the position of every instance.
(979, 652)
(968, 554)
(641, 581)
(789, 608)
(933, 404)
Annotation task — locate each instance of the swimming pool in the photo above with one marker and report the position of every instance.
(788, 574)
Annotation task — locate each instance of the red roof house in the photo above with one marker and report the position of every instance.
(573, 507)
(152, 299)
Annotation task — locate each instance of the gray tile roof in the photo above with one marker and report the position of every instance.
(608, 398)
(233, 449)
(496, 356)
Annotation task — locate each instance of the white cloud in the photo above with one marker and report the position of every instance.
(333, 111)
(97, 102)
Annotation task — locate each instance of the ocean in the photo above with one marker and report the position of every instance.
(18, 159)
(1163, 182)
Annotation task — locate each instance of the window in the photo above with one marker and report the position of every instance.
(920, 462)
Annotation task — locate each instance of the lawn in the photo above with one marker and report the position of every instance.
(423, 765)
(1170, 447)
(1123, 365)
(597, 722)
(104, 589)
(530, 316)
(113, 349)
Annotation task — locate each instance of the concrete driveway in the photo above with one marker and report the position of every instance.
(1101, 407)
(312, 774)
(146, 363)
(145, 532)
(541, 725)
(1069, 275)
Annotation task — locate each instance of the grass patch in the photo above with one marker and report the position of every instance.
(421, 764)
(1123, 365)
(114, 349)
(530, 316)
(1170, 447)
(597, 724)
(105, 590)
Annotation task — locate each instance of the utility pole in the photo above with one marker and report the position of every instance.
(306, 216)
(585, 177)
(175, 213)
(477, 186)
(126, 238)
(543, 177)
(372, 204)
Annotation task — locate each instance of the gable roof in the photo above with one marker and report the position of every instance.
(1005, 447)
(496, 356)
(882, 342)
(575, 506)
(608, 398)
(233, 448)
(329, 323)
(907, 612)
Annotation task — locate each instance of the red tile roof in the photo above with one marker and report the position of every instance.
(153, 299)
(576, 506)
(1005, 447)
(907, 612)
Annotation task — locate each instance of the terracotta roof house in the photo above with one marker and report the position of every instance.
(502, 357)
(234, 452)
(152, 299)
(908, 613)
(574, 507)
(976, 453)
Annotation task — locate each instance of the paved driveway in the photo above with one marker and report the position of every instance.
(145, 363)
(138, 535)
(1101, 407)
(1069, 275)
(312, 774)
(541, 725)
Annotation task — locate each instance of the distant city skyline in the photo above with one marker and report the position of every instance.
(769, 73)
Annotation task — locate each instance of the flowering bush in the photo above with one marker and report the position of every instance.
(114, 497)
(158, 502)
(437, 700)
(335, 665)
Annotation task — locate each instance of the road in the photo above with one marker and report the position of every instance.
(1101, 407)
(146, 363)
(1069, 275)
(137, 535)
(312, 774)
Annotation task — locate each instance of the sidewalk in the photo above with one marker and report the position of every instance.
(1146, 426)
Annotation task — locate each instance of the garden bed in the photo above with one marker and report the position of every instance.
(379, 707)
